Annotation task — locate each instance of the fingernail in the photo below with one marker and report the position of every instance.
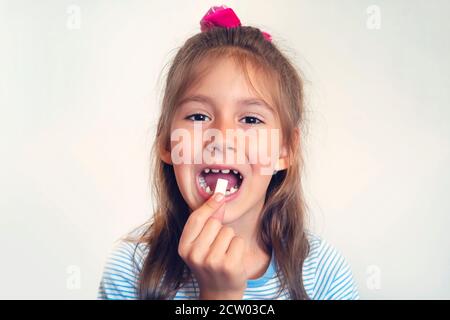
(218, 197)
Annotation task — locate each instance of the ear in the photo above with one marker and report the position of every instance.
(164, 154)
(284, 160)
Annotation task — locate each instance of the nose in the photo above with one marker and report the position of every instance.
(219, 145)
(221, 141)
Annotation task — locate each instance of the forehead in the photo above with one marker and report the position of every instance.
(232, 75)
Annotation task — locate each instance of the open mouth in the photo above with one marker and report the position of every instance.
(208, 177)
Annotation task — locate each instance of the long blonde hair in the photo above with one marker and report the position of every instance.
(283, 215)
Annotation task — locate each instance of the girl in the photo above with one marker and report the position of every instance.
(251, 242)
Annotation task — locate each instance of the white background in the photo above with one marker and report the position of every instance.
(79, 98)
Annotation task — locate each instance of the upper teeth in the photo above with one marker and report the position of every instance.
(207, 170)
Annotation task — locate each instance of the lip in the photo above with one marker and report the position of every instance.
(206, 195)
(220, 167)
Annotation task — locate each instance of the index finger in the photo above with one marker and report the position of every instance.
(197, 219)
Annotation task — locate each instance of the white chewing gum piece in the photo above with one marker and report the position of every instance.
(221, 186)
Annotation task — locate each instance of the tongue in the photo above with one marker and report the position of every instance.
(211, 179)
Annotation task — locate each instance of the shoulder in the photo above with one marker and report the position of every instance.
(327, 275)
(121, 271)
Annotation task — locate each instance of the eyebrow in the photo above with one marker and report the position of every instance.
(244, 101)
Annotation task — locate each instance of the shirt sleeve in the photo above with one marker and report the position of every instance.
(333, 276)
(119, 280)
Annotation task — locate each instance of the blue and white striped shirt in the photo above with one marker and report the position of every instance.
(326, 275)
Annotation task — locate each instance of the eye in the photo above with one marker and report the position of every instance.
(197, 117)
(251, 120)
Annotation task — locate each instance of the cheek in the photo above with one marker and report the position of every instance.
(183, 176)
(264, 152)
(260, 182)
(186, 184)
(183, 145)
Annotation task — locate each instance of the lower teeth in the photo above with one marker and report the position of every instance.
(209, 191)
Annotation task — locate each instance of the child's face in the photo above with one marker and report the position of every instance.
(224, 85)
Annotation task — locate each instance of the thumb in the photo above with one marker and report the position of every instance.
(212, 205)
(219, 213)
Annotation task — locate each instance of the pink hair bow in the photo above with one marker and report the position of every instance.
(224, 17)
